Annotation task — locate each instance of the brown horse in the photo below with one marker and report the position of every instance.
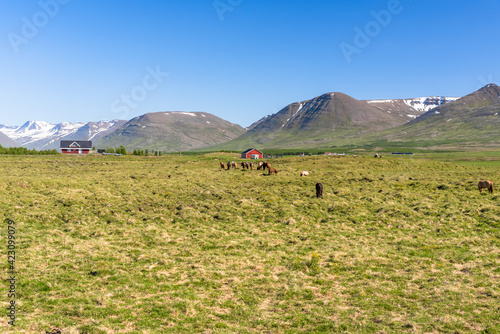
(319, 190)
(251, 165)
(259, 167)
(485, 184)
(222, 166)
(272, 170)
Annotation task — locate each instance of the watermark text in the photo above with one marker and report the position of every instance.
(224, 6)
(32, 25)
(11, 260)
(139, 93)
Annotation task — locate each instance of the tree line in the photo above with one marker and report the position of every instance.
(122, 150)
(146, 153)
(25, 151)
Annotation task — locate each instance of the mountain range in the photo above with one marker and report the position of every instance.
(329, 120)
(46, 136)
(332, 119)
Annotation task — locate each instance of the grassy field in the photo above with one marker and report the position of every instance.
(174, 245)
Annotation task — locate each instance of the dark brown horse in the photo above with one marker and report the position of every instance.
(222, 166)
(319, 190)
(272, 170)
(485, 184)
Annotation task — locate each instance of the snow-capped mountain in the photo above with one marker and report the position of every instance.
(43, 136)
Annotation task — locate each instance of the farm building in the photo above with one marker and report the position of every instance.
(252, 154)
(75, 146)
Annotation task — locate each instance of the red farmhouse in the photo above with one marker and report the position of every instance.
(75, 147)
(251, 154)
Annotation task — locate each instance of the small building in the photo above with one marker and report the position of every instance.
(75, 146)
(252, 154)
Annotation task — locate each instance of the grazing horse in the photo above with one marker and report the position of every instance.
(319, 190)
(304, 173)
(259, 167)
(222, 166)
(485, 184)
(272, 170)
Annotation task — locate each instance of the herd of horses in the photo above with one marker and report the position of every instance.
(245, 165)
(319, 187)
(263, 166)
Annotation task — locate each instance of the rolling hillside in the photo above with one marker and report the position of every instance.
(172, 131)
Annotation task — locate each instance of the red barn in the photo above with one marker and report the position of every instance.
(75, 146)
(252, 154)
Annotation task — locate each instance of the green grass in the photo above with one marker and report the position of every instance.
(396, 245)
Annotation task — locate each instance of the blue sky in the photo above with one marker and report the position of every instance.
(87, 60)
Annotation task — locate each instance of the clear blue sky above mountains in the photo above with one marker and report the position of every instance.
(87, 60)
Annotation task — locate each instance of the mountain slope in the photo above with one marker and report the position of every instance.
(7, 142)
(329, 119)
(172, 131)
(472, 118)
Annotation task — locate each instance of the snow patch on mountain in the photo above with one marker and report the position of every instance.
(302, 107)
(422, 104)
(380, 101)
(428, 103)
